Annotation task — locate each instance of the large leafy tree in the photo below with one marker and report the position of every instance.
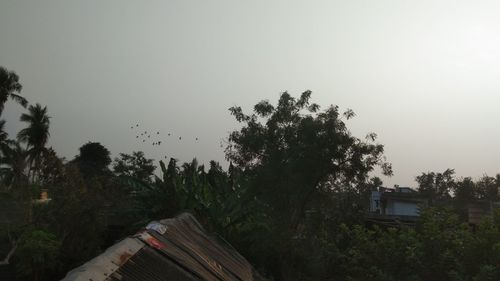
(489, 187)
(38, 253)
(10, 88)
(76, 216)
(436, 185)
(442, 237)
(93, 160)
(51, 168)
(36, 134)
(300, 160)
(293, 151)
(465, 190)
(134, 165)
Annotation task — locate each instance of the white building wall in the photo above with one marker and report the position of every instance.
(400, 208)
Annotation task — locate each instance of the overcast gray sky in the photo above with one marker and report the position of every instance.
(423, 75)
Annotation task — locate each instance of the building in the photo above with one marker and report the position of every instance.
(402, 205)
(172, 249)
(399, 205)
(479, 209)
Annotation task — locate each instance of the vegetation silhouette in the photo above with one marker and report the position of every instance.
(35, 136)
(10, 88)
(93, 159)
(293, 200)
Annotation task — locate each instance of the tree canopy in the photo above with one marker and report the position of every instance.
(10, 88)
(293, 200)
(35, 135)
(93, 159)
(293, 150)
(134, 165)
(292, 153)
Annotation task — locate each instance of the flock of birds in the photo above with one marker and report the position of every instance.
(145, 136)
(154, 137)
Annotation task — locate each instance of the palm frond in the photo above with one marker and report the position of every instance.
(19, 99)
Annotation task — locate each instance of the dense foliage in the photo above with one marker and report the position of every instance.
(293, 200)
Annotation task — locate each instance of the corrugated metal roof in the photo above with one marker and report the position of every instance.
(148, 264)
(107, 263)
(172, 249)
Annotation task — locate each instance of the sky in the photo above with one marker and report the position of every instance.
(423, 75)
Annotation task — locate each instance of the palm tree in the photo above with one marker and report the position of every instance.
(12, 159)
(9, 86)
(13, 164)
(35, 135)
(3, 136)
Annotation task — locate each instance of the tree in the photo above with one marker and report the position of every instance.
(51, 168)
(3, 136)
(442, 239)
(9, 86)
(295, 155)
(465, 190)
(295, 151)
(488, 273)
(488, 188)
(37, 252)
(436, 185)
(135, 165)
(14, 165)
(93, 159)
(35, 135)
(76, 215)
(8, 163)
(218, 201)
